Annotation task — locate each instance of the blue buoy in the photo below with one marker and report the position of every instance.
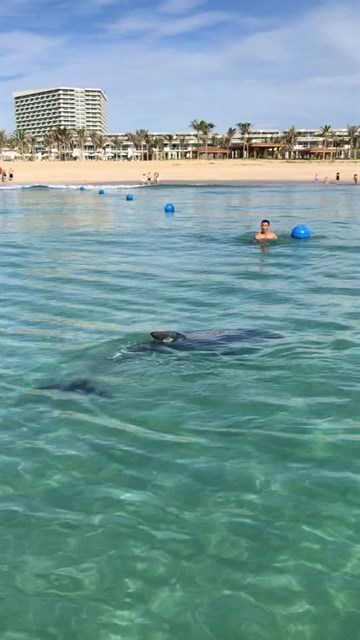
(301, 231)
(101, 192)
(169, 208)
(82, 188)
(129, 196)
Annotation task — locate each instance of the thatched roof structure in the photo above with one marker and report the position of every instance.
(319, 150)
(268, 145)
(260, 145)
(211, 150)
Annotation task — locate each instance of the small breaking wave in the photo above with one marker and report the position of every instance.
(73, 187)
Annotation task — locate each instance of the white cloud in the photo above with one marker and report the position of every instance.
(323, 40)
(16, 7)
(147, 23)
(90, 7)
(23, 53)
(180, 6)
(305, 72)
(335, 27)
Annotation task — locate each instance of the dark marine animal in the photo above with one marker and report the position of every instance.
(210, 340)
(217, 340)
(79, 385)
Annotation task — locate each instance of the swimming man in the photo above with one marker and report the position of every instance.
(265, 233)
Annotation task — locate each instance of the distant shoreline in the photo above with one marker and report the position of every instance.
(179, 172)
(171, 183)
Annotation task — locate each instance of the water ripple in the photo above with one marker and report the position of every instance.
(198, 495)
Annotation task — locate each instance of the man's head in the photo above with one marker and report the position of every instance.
(265, 224)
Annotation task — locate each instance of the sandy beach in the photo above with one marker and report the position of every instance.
(179, 171)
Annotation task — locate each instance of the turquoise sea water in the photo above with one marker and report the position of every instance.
(204, 495)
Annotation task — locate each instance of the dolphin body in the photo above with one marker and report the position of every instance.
(211, 340)
(216, 340)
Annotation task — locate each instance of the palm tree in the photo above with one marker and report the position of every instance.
(227, 138)
(326, 133)
(353, 135)
(67, 141)
(339, 143)
(13, 144)
(56, 134)
(149, 145)
(98, 140)
(159, 144)
(142, 134)
(32, 140)
(21, 139)
(245, 130)
(3, 141)
(169, 140)
(197, 126)
(206, 128)
(290, 136)
(48, 142)
(182, 140)
(81, 137)
(133, 140)
(102, 142)
(63, 138)
(116, 141)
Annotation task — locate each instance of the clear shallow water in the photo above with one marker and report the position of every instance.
(206, 495)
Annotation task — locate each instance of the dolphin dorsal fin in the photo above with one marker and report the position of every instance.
(166, 336)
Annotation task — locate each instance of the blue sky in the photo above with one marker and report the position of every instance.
(163, 63)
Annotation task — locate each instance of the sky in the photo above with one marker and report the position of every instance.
(164, 63)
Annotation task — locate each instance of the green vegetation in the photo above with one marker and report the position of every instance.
(241, 141)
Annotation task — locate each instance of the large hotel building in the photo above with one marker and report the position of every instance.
(42, 110)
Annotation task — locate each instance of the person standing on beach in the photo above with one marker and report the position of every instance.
(265, 233)
(337, 176)
(11, 174)
(355, 178)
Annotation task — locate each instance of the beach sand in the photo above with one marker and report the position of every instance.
(179, 171)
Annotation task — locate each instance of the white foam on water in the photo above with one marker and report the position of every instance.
(74, 187)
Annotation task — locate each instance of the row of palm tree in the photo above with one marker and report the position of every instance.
(66, 140)
(327, 135)
(289, 137)
(151, 146)
(203, 130)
